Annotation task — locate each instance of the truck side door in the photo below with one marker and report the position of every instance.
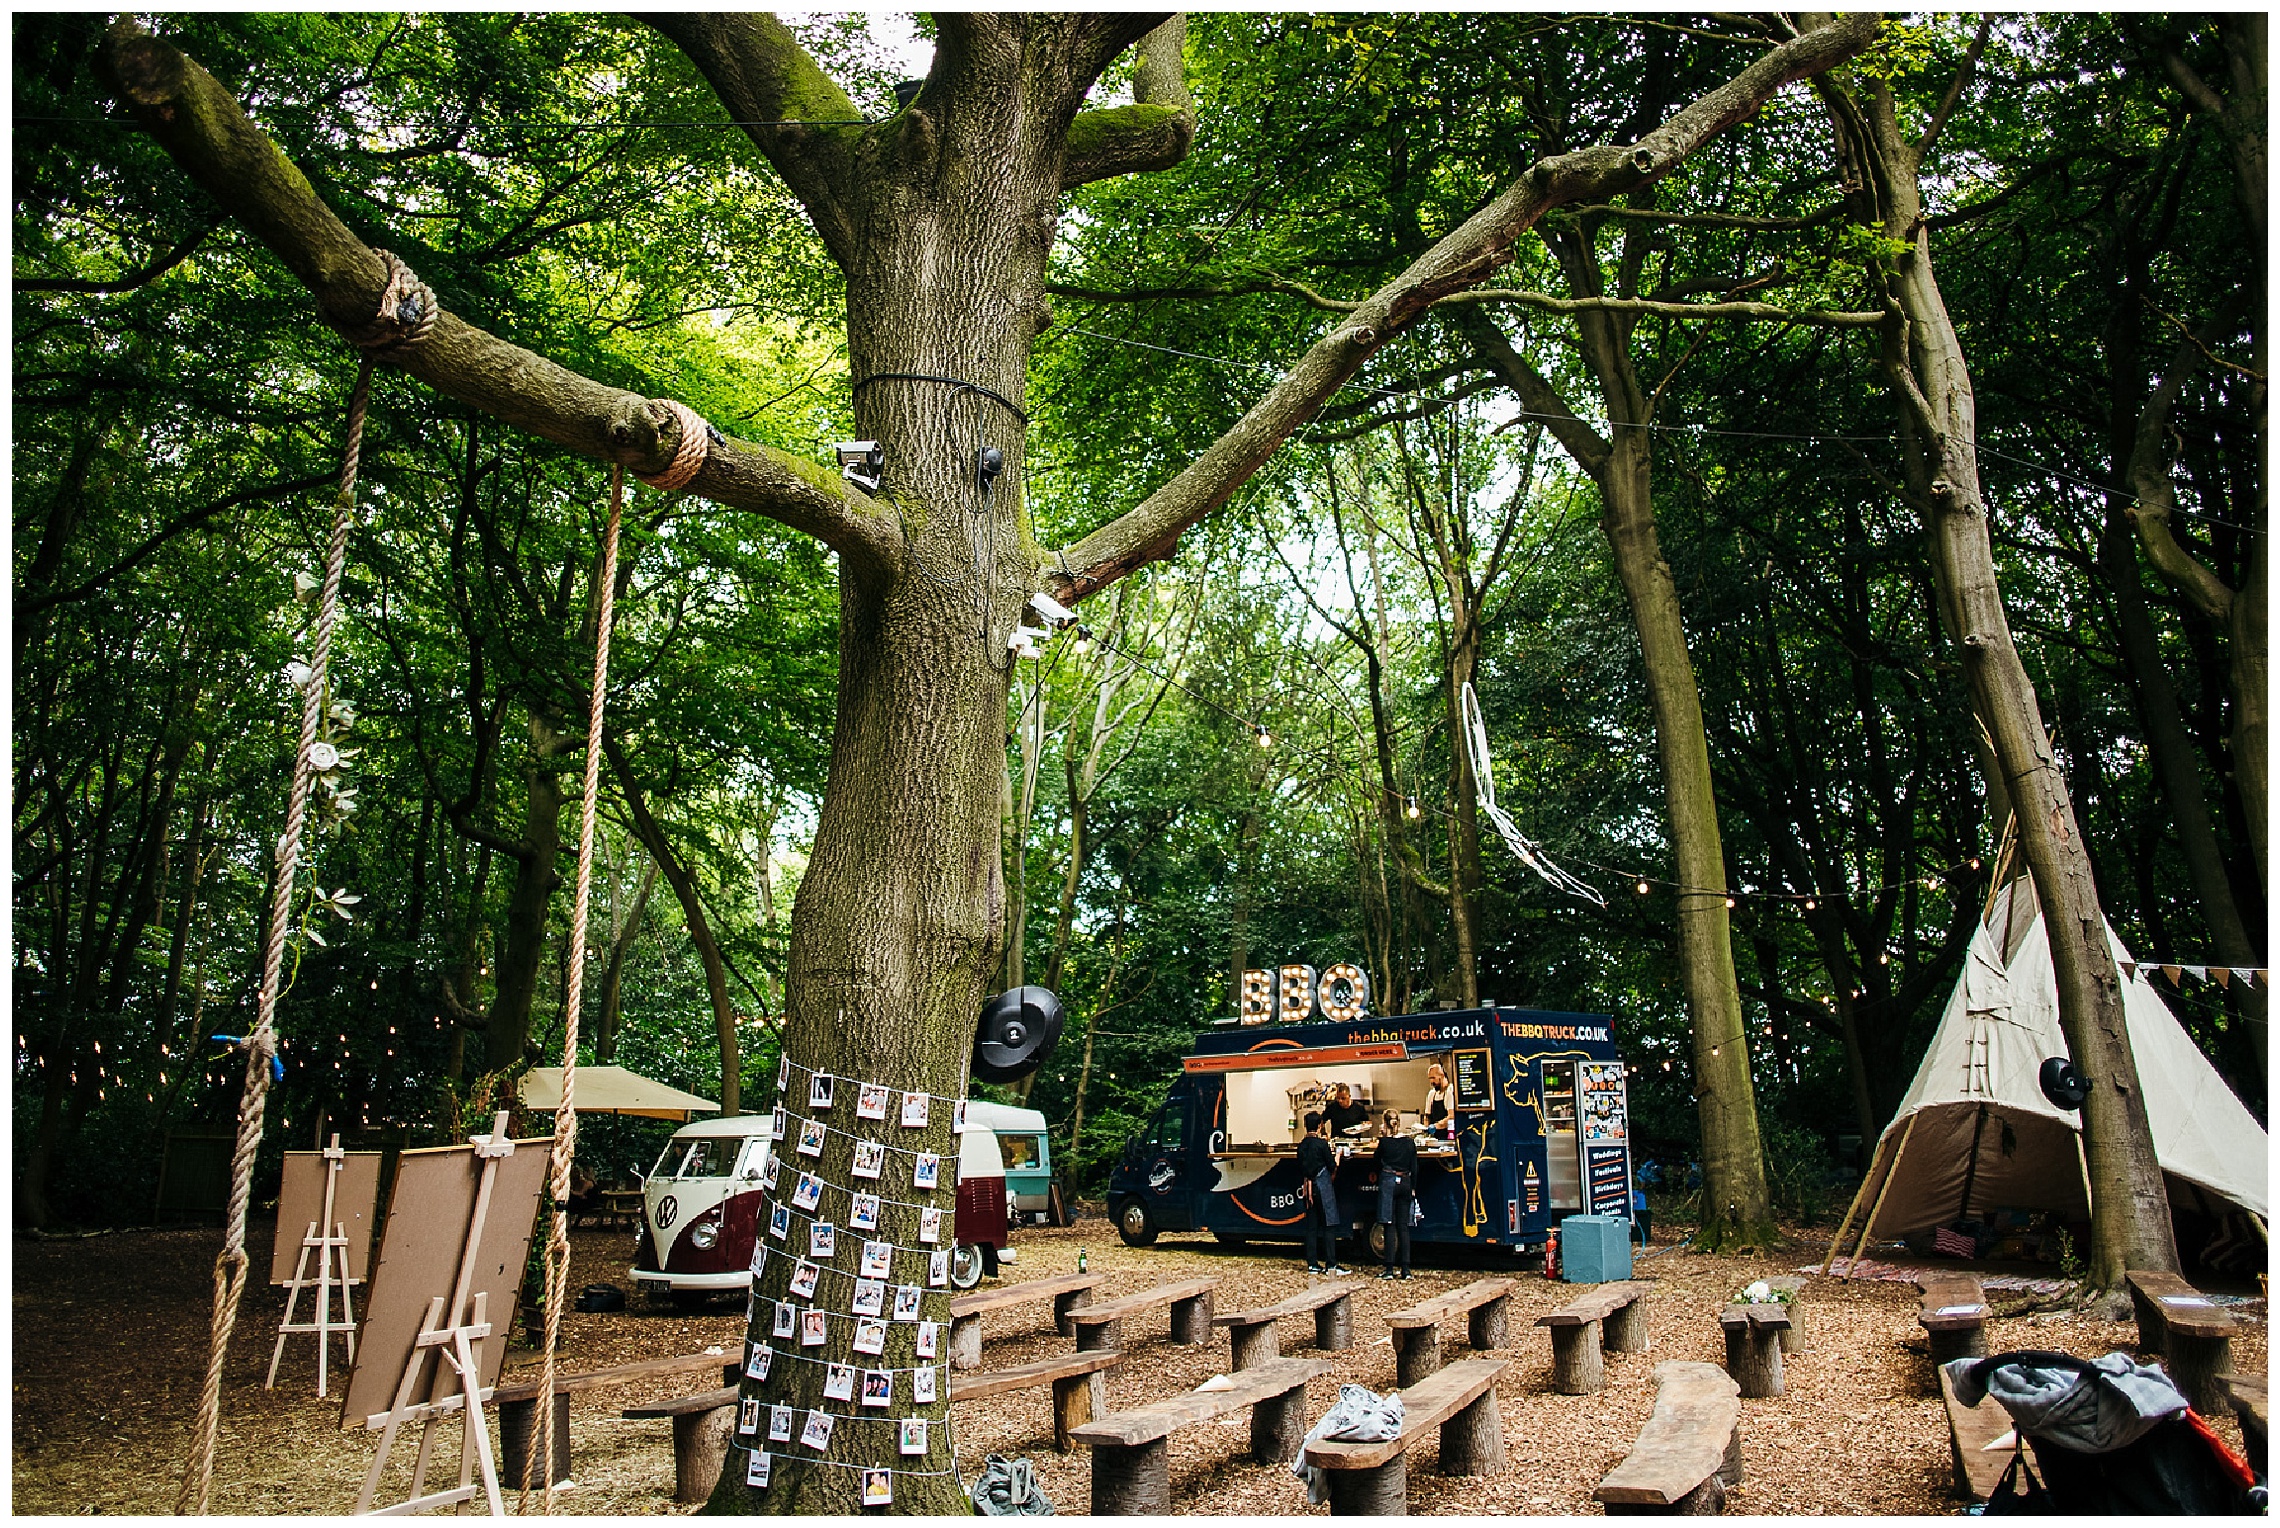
(1167, 1178)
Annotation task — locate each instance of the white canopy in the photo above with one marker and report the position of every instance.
(611, 1090)
(1975, 1132)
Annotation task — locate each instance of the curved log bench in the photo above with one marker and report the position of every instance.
(1251, 1333)
(1954, 1316)
(1753, 1347)
(1417, 1330)
(1132, 1462)
(2190, 1330)
(1372, 1479)
(1689, 1455)
(1102, 1325)
(1067, 1291)
(1978, 1471)
(1612, 1316)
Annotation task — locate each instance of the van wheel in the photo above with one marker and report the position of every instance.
(1376, 1238)
(966, 1266)
(1133, 1224)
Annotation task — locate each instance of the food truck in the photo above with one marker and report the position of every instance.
(1540, 1127)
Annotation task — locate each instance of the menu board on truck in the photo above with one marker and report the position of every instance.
(1472, 1079)
(1603, 1121)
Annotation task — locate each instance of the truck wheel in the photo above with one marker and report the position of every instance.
(966, 1266)
(1133, 1224)
(1376, 1238)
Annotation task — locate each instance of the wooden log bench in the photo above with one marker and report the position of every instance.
(1689, 1455)
(1610, 1316)
(1131, 1455)
(1753, 1346)
(1978, 1471)
(1953, 1314)
(1101, 1325)
(1067, 1291)
(2252, 1403)
(516, 1402)
(1251, 1333)
(1372, 1479)
(1417, 1330)
(704, 1427)
(1079, 1381)
(2190, 1330)
(1792, 1285)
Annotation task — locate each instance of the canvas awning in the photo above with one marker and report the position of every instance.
(612, 1090)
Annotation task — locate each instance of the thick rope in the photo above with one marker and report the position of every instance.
(261, 1045)
(689, 452)
(406, 316)
(565, 1113)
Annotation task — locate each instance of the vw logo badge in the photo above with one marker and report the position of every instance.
(667, 1208)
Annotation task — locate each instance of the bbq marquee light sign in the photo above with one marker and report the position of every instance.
(1291, 994)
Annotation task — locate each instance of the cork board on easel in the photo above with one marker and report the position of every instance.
(301, 1200)
(420, 1251)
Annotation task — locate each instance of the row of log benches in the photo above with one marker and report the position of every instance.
(1685, 1460)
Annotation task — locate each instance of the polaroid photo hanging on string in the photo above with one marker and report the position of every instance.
(925, 1170)
(748, 1415)
(783, 1073)
(937, 1269)
(922, 1386)
(870, 1297)
(787, 1319)
(803, 1280)
(780, 1221)
(759, 1257)
(871, 1101)
(929, 1339)
(812, 1328)
(878, 1387)
(930, 1226)
(819, 1091)
(871, 1337)
(958, 1118)
(823, 1239)
(763, 1359)
(811, 1138)
(913, 1436)
(878, 1257)
(779, 1424)
(878, 1488)
(906, 1302)
(839, 1382)
(817, 1433)
(778, 1122)
(768, 1171)
(870, 1157)
(756, 1469)
(914, 1111)
(863, 1215)
(809, 1193)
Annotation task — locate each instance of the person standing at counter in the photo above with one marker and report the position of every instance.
(1397, 1191)
(1439, 1098)
(1342, 1112)
(1317, 1185)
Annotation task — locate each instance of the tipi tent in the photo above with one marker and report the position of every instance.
(1975, 1132)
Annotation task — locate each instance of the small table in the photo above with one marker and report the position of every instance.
(621, 1204)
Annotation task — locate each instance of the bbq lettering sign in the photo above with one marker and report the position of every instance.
(1294, 993)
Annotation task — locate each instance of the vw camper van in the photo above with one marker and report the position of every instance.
(700, 1208)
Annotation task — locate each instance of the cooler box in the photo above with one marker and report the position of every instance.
(1595, 1249)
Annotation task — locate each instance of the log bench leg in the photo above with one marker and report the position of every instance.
(518, 1435)
(965, 1342)
(1191, 1320)
(1334, 1325)
(1472, 1441)
(1626, 1329)
(1966, 1342)
(1484, 1325)
(1063, 1304)
(1092, 1336)
(2199, 1366)
(700, 1448)
(1753, 1358)
(1417, 1353)
(1077, 1399)
(1253, 1345)
(1793, 1335)
(1730, 1467)
(1576, 1365)
(1134, 1481)
(1382, 1492)
(1278, 1426)
(2149, 1323)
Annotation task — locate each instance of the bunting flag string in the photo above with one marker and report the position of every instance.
(2177, 971)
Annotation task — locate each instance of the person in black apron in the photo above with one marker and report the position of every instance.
(1317, 1186)
(1397, 1192)
(1438, 1096)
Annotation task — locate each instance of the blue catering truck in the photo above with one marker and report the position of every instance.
(1540, 1130)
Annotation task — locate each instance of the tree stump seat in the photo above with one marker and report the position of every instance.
(1372, 1479)
(1101, 1325)
(516, 1403)
(1417, 1330)
(2190, 1330)
(1251, 1333)
(1132, 1461)
(1067, 1291)
(704, 1426)
(1079, 1381)
(1953, 1314)
(2252, 1404)
(1753, 1346)
(1970, 1429)
(1610, 1316)
(1689, 1455)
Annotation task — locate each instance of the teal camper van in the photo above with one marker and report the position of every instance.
(1541, 1127)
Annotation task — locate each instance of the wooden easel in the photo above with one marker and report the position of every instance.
(449, 1334)
(331, 1243)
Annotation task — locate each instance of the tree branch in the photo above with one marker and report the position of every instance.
(1545, 302)
(142, 276)
(189, 520)
(1471, 254)
(198, 122)
(2149, 471)
(1537, 396)
(1829, 214)
(1155, 131)
(1956, 88)
(1256, 288)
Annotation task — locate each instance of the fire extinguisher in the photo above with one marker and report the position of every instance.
(1552, 1253)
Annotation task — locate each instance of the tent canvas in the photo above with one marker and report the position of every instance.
(612, 1090)
(1975, 1132)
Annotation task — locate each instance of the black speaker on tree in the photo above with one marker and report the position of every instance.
(1017, 1032)
(2062, 1084)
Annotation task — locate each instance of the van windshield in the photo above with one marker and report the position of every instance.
(702, 1158)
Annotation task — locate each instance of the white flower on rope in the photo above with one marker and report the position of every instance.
(1484, 784)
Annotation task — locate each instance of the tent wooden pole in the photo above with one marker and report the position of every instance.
(1851, 1209)
(1868, 1227)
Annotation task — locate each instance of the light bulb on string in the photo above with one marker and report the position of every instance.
(1642, 888)
(1884, 957)
(1729, 901)
(1810, 904)
(1266, 738)
(1413, 810)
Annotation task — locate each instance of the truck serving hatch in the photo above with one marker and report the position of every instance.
(1322, 1055)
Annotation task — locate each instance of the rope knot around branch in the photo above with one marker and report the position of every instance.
(689, 452)
(405, 317)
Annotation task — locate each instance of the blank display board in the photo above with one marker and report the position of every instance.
(356, 1200)
(419, 1261)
